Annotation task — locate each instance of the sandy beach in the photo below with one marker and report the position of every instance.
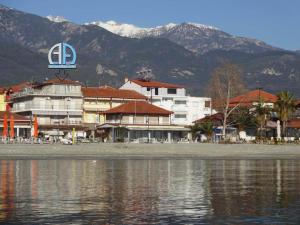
(149, 151)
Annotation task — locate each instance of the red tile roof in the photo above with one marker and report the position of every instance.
(17, 117)
(109, 92)
(62, 81)
(138, 107)
(253, 96)
(155, 84)
(2, 90)
(19, 87)
(217, 117)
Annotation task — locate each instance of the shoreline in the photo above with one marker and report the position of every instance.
(149, 151)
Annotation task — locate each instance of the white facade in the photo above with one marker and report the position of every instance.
(186, 109)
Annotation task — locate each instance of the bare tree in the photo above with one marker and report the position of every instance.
(226, 82)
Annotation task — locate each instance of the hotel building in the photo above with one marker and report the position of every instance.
(173, 98)
(56, 103)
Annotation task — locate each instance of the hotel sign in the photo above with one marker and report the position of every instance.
(62, 56)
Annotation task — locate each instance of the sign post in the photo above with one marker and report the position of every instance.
(62, 56)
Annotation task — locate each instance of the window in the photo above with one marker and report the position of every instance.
(180, 116)
(172, 91)
(155, 100)
(148, 89)
(156, 91)
(167, 99)
(207, 104)
(180, 102)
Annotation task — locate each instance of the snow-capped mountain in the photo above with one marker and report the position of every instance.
(130, 30)
(56, 19)
(195, 37)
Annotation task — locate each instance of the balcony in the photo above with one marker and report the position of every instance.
(35, 106)
(34, 92)
(62, 122)
(95, 108)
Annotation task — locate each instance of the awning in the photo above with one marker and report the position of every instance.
(158, 128)
(104, 126)
(53, 132)
(145, 127)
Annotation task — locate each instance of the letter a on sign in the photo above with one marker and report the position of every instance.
(65, 57)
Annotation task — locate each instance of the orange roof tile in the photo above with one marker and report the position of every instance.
(19, 87)
(138, 107)
(253, 96)
(2, 90)
(213, 117)
(109, 92)
(155, 84)
(62, 81)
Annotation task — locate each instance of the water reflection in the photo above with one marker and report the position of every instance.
(150, 191)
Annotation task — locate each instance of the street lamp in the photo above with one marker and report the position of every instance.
(68, 116)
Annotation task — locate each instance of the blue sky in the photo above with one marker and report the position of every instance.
(276, 22)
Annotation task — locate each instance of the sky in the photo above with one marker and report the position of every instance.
(276, 22)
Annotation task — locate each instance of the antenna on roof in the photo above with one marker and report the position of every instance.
(145, 75)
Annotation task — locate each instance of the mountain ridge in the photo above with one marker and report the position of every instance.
(195, 37)
(107, 58)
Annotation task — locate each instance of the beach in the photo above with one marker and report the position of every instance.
(148, 151)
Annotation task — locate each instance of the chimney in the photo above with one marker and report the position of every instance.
(126, 79)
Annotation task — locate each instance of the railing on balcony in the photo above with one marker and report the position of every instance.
(31, 106)
(27, 92)
(61, 122)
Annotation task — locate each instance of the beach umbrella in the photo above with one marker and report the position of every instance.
(278, 130)
(35, 127)
(12, 126)
(4, 133)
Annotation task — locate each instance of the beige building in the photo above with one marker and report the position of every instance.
(99, 99)
(140, 121)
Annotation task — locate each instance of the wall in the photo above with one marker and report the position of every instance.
(2, 102)
(143, 90)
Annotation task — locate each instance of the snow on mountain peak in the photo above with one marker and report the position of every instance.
(202, 26)
(130, 30)
(56, 19)
(124, 29)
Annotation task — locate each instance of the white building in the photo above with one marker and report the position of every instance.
(172, 97)
(56, 103)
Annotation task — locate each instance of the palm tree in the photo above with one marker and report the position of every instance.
(284, 106)
(261, 112)
(207, 129)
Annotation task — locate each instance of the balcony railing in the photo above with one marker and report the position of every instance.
(61, 122)
(31, 92)
(29, 107)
